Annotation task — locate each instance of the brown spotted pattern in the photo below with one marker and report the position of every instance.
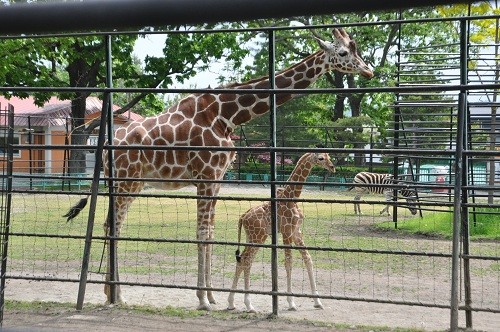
(207, 120)
(257, 224)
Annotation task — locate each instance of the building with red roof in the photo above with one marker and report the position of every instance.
(48, 125)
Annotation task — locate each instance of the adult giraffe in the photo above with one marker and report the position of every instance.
(208, 119)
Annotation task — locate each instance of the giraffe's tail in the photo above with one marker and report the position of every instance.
(75, 209)
(237, 253)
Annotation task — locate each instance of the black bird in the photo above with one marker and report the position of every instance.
(75, 210)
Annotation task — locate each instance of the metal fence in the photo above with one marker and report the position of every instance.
(356, 257)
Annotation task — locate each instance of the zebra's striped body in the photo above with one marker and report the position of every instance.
(380, 184)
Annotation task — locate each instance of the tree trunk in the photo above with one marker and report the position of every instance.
(77, 158)
(355, 105)
(80, 75)
(338, 108)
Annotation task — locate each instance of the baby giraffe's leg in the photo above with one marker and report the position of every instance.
(237, 273)
(299, 242)
(252, 251)
(244, 265)
(288, 268)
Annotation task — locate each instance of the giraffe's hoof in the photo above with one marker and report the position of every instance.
(319, 306)
(231, 308)
(119, 301)
(204, 306)
(292, 308)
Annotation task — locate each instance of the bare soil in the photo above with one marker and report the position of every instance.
(336, 315)
(351, 315)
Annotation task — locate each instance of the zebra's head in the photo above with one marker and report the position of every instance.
(411, 199)
(412, 204)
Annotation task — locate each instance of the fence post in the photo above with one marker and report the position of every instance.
(274, 213)
(5, 210)
(106, 108)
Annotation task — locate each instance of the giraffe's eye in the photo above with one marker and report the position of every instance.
(343, 53)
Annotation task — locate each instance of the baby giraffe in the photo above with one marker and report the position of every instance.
(257, 224)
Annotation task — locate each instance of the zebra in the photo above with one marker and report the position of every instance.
(368, 178)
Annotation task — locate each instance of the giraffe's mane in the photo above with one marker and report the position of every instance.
(262, 78)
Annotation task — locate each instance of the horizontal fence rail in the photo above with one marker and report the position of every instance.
(391, 257)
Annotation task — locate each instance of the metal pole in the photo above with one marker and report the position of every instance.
(272, 138)
(94, 191)
(457, 190)
(111, 221)
(8, 204)
(397, 121)
(30, 152)
(464, 47)
(25, 18)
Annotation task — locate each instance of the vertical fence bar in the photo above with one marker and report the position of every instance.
(6, 206)
(111, 220)
(397, 120)
(466, 168)
(30, 151)
(106, 105)
(459, 177)
(272, 144)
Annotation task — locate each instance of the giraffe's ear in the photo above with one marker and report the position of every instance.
(323, 44)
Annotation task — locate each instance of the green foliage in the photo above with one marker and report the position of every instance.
(483, 224)
(377, 47)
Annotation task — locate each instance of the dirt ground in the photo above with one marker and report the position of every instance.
(336, 315)
(351, 315)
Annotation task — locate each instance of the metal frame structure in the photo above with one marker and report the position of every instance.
(461, 152)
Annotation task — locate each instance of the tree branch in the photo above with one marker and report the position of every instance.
(94, 123)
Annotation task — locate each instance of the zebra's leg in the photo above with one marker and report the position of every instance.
(388, 198)
(357, 206)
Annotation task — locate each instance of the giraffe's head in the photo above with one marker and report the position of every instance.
(323, 160)
(342, 54)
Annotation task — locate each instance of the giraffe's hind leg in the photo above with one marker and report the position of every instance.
(121, 205)
(244, 265)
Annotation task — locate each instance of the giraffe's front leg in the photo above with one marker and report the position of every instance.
(205, 225)
(202, 294)
(288, 268)
(306, 257)
(208, 272)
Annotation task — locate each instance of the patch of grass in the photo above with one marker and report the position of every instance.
(484, 224)
(183, 313)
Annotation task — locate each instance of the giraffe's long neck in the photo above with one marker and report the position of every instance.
(299, 174)
(238, 109)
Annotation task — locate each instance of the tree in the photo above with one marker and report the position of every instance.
(378, 45)
(79, 61)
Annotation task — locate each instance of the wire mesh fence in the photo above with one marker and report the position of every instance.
(394, 258)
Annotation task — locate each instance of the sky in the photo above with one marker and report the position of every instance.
(153, 44)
